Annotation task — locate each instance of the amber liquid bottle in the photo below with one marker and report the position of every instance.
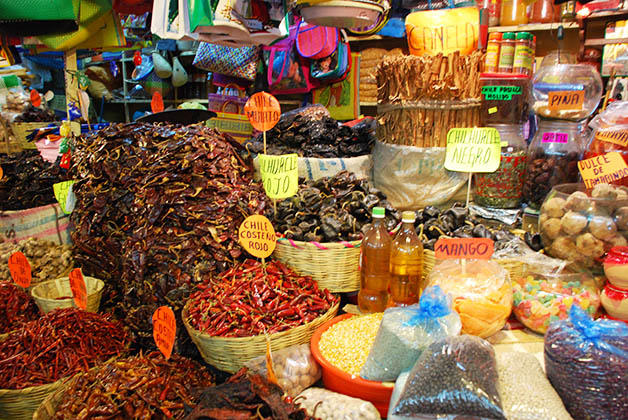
(374, 271)
(406, 264)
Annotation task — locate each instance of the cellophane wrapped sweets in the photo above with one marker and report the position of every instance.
(328, 405)
(587, 363)
(406, 331)
(481, 291)
(455, 376)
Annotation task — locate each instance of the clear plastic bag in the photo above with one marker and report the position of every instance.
(405, 333)
(481, 291)
(294, 367)
(587, 363)
(455, 376)
(328, 405)
(525, 391)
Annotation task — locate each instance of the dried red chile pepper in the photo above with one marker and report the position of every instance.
(28, 180)
(59, 344)
(250, 299)
(16, 307)
(158, 206)
(139, 387)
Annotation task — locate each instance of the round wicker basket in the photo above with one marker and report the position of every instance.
(334, 265)
(231, 353)
(20, 404)
(47, 294)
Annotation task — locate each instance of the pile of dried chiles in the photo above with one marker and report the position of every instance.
(35, 114)
(16, 307)
(27, 181)
(331, 209)
(158, 207)
(318, 138)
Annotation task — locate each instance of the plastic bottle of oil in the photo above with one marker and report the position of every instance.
(406, 264)
(375, 266)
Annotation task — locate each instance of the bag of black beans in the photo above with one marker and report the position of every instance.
(586, 362)
(455, 376)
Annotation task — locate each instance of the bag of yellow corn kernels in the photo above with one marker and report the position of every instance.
(405, 332)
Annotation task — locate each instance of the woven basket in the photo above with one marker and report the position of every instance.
(22, 129)
(231, 353)
(18, 404)
(46, 294)
(48, 408)
(334, 265)
(514, 267)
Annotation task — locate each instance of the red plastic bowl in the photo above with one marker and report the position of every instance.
(336, 380)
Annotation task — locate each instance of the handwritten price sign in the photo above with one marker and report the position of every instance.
(20, 269)
(263, 111)
(280, 175)
(65, 196)
(78, 287)
(473, 150)
(257, 236)
(164, 330)
(463, 248)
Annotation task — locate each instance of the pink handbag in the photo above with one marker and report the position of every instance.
(316, 42)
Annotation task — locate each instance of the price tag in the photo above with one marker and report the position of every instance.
(603, 169)
(500, 93)
(65, 196)
(263, 111)
(157, 103)
(555, 137)
(619, 137)
(473, 150)
(280, 175)
(35, 98)
(565, 100)
(20, 269)
(78, 287)
(463, 248)
(164, 330)
(257, 236)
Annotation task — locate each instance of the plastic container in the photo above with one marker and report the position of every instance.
(566, 91)
(491, 62)
(494, 10)
(406, 264)
(522, 63)
(553, 157)
(540, 299)
(616, 267)
(615, 302)
(544, 11)
(375, 265)
(505, 98)
(503, 188)
(513, 13)
(336, 380)
(580, 225)
(506, 53)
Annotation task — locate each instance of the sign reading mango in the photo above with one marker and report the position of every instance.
(473, 150)
(280, 175)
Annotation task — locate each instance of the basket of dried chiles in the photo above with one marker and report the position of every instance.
(230, 317)
(16, 308)
(37, 358)
(321, 228)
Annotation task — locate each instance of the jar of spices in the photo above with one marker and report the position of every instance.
(522, 63)
(513, 13)
(505, 98)
(553, 159)
(494, 8)
(506, 53)
(544, 11)
(491, 62)
(503, 188)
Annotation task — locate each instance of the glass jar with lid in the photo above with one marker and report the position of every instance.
(544, 11)
(566, 91)
(504, 188)
(513, 13)
(553, 159)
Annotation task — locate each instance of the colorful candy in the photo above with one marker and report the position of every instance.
(541, 300)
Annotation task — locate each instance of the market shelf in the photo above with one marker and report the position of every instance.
(365, 38)
(368, 103)
(532, 27)
(604, 41)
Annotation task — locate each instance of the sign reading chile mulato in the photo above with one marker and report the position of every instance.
(464, 248)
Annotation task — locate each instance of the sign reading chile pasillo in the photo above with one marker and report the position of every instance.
(463, 248)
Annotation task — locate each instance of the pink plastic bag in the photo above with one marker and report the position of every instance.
(316, 42)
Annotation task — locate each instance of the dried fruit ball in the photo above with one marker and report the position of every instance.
(573, 223)
(551, 228)
(554, 207)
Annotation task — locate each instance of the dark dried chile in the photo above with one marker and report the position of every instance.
(59, 344)
(16, 307)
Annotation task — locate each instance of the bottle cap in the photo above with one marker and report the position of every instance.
(508, 35)
(408, 217)
(495, 36)
(522, 35)
(379, 212)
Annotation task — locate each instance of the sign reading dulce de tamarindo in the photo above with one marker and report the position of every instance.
(463, 248)
(603, 169)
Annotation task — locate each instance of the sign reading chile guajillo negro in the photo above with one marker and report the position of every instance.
(473, 150)
(603, 169)
(464, 248)
(619, 137)
(257, 236)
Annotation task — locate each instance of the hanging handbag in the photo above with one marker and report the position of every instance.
(237, 62)
(333, 68)
(316, 42)
(230, 117)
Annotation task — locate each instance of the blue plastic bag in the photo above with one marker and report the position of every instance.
(587, 363)
(405, 332)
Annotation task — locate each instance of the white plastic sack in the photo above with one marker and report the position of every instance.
(315, 168)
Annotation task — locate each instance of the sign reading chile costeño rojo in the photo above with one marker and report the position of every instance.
(257, 236)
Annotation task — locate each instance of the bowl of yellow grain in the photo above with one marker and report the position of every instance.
(341, 346)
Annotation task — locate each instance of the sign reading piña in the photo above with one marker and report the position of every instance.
(565, 100)
(603, 169)
(463, 248)
(280, 175)
(257, 236)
